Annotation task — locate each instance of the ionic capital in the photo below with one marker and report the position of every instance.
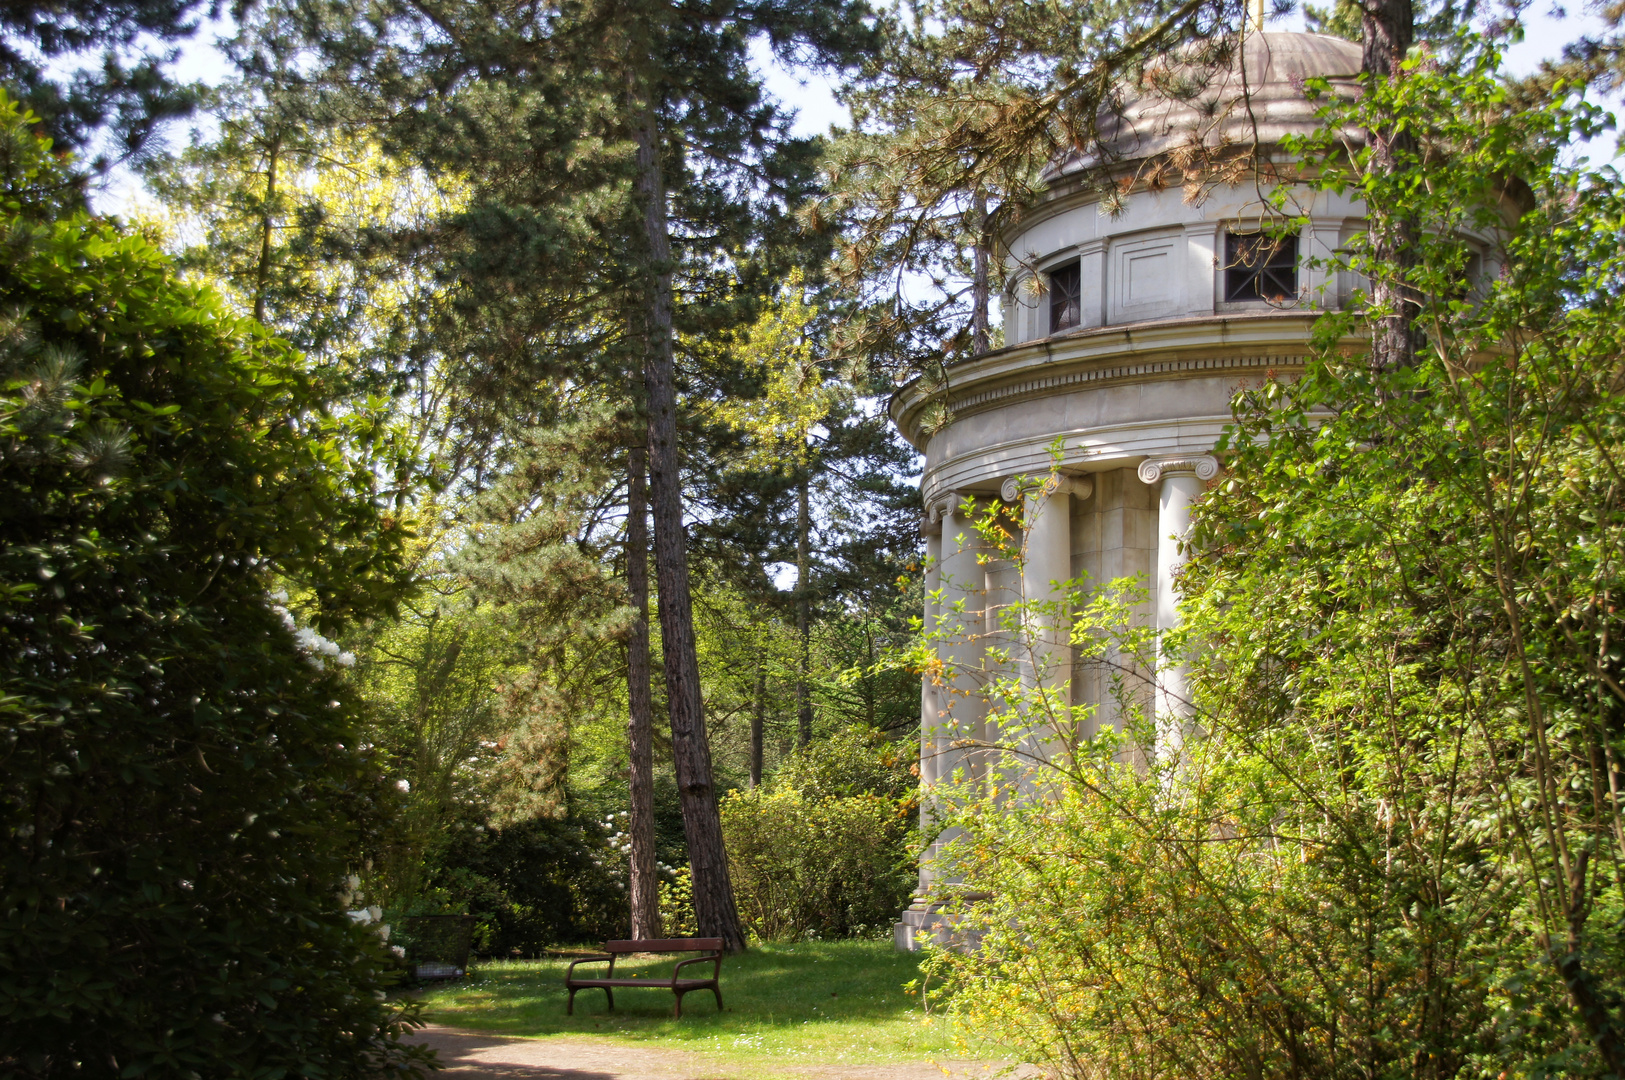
(1201, 466)
(943, 505)
(1079, 487)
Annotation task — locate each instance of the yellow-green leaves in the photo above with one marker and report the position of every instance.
(796, 395)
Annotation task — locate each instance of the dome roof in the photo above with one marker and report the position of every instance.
(1272, 70)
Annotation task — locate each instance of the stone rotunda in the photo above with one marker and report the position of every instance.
(1126, 336)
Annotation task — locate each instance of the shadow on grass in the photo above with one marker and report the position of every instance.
(807, 992)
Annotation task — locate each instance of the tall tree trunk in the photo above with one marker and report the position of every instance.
(804, 716)
(756, 722)
(714, 907)
(262, 273)
(644, 885)
(1388, 27)
(979, 282)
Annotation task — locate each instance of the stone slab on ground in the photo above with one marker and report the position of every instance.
(473, 1055)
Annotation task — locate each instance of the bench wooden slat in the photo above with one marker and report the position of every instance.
(712, 947)
(658, 984)
(699, 944)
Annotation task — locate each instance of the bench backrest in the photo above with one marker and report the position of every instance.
(660, 945)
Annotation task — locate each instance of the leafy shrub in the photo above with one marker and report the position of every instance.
(677, 918)
(1122, 933)
(182, 791)
(536, 884)
(827, 866)
(855, 760)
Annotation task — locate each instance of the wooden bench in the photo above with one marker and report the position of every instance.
(613, 950)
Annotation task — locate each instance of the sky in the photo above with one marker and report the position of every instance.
(811, 94)
(1546, 31)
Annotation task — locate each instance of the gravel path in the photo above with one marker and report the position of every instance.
(470, 1055)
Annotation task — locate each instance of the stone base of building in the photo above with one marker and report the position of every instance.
(919, 921)
(925, 922)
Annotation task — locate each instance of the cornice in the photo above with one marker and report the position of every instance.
(1151, 351)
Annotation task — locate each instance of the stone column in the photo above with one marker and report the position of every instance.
(933, 715)
(931, 529)
(1047, 567)
(962, 618)
(1182, 479)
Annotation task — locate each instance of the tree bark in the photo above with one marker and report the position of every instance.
(644, 885)
(1388, 28)
(1593, 1007)
(979, 282)
(756, 723)
(267, 222)
(714, 907)
(804, 715)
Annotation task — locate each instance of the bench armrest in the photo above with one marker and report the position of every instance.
(713, 958)
(569, 974)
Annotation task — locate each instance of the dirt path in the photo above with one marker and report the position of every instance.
(470, 1055)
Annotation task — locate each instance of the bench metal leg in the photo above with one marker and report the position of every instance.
(570, 1008)
(677, 1011)
(717, 990)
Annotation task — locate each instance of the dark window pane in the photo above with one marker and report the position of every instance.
(1260, 267)
(1065, 297)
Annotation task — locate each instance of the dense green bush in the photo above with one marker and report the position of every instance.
(805, 865)
(182, 791)
(535, 884)
(854, 760)
(825, 850)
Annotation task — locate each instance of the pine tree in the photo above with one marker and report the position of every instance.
(112, 100)
(617, 152)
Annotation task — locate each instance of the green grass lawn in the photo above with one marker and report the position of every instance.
(838, 1002)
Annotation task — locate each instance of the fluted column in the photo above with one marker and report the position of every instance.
(935, 715)
(931, 528)
(962, 619)
(1046, 569)
(1181, 481)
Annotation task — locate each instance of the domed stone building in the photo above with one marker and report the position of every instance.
(1126, 336)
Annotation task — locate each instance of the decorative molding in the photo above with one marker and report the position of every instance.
(1088, 449)
(1080, 487)
(1202, 466)
(1152, 369)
